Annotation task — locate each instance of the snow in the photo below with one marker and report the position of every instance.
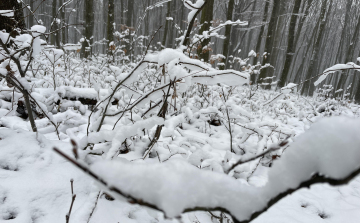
(7, 13)
(213, 119)
(121, 133)
(70, 47)
(228, 77)
(335, 68)
(330, 147)
(288, 88)
(37, 30)
(252, 53)
(4, 36)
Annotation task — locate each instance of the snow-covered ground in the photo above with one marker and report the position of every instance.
(35, 184)
(168, 132)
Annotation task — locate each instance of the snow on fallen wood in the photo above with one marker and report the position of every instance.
(88, 96)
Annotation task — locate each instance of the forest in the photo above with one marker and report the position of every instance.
(179, 111)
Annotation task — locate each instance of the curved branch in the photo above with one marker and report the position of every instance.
(315, 179)
(191, 24)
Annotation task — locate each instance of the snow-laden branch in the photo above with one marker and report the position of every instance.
(158, 4)
(7, 13)
(195, 10)
(327, 153)
(335, 68)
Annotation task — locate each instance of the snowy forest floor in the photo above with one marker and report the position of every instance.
(35, 181)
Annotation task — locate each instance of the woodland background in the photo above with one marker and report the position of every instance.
(301, 37)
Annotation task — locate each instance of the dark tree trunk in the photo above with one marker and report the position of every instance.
(129, 18)
(122, 12)
(89, 28)
(110, 21)
(229, 16)
(302, 20)
(260, 38)
(167, 24)
(351, 51)
(63, 22)
(31, 17)
(206, 18)
(55, 38)
(341, 55)
(269, 42)
(12, 24)
(315, 54)
(291, 44)
(130, 11)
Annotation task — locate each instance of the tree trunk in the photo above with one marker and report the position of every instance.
(130, 11)
(250, 35)
(315, 54)
(229, 16)
(269, 42)
(163, 43)
(11, 24)
(122, 12)
(63, 22)
(89, 28)
(351, 51)
(31, 17)
(260, 38)
(129, 17)
(291, 44)
(340, 57)
(55, 37)
(110, 21)
(206, 18)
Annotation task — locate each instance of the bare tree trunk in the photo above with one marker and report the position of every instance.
(89, 28)
(351, 51)
(63, 22)
(163, 43)
(31, 17)
(260, 38)
(129, 17)
(315, 54)
(55, 38)
(11, 24)
(110, 21)
(340, 57)
(229, 16)
(291, 47)
(269, 42)
(206, 18)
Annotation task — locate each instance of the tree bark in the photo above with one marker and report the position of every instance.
(269, 42)
(260, 38)
(63, 22)
(89, 28)
(291, 44)
(110, 21)
(55, 37)
(315, 54)
(31, 17)
(343, 41)
(206, 18)
(229, 16)
(163, 43)
(12, 25)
